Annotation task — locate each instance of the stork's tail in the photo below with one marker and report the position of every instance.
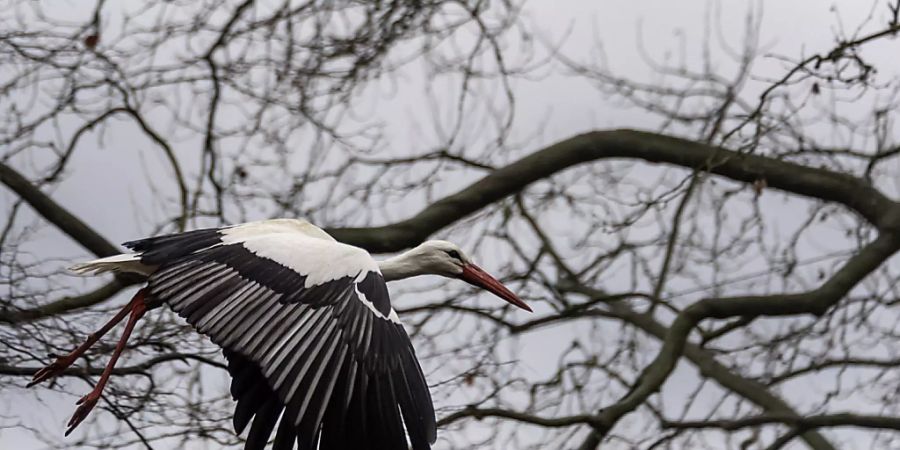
(126, 262)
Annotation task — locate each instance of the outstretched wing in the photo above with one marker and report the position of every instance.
(312, 342)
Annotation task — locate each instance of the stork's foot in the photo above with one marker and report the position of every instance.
(85, 405)
(52, 370)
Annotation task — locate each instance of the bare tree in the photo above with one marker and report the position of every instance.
(724, 280)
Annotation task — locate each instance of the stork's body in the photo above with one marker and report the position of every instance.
(312, 341)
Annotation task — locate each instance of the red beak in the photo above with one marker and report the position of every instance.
(476, 276)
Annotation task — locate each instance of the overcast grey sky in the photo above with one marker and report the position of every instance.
(110, 174)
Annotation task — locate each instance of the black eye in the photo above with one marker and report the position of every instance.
(454, 254)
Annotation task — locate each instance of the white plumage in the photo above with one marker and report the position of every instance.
(320, 262)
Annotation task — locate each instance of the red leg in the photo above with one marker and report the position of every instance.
(63, 362)
(87, 403)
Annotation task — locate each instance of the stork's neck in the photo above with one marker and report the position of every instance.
(400, 267)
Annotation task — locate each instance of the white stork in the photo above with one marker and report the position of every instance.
(305, 323)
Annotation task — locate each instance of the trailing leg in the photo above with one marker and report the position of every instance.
(63, 362)
(87, 403)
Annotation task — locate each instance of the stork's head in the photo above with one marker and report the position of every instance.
(447, 259)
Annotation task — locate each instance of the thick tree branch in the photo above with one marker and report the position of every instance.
(67, 303)
(823, 184)
(816, 301)
(808, 422)
(56, 214)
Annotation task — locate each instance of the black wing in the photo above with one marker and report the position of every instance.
(329, 363)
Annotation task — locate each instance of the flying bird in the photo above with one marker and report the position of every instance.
(306, 324)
